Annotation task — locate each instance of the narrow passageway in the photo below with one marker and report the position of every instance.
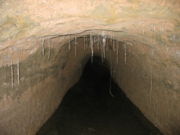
(96, 106)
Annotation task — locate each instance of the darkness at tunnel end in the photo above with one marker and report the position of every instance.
(97, 106)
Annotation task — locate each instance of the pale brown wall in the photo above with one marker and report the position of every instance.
(150, 29)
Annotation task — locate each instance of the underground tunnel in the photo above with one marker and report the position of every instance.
(96, 106)
(89, 67)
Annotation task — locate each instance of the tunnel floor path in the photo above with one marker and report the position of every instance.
(96, 106)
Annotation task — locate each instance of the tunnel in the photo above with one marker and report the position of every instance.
(95, 105)
(47, 45)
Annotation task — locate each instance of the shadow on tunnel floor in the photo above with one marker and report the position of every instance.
(96, 106)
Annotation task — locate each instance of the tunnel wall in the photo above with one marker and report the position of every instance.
(50, 71)
(32, 57)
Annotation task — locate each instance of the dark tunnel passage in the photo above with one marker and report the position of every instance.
(97, 106)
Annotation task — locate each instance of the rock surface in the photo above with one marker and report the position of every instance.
(45, 44)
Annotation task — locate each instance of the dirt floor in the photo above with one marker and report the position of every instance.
(96, 106)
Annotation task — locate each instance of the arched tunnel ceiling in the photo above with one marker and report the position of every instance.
(30, 20)
(45, 17)
(34, 42)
